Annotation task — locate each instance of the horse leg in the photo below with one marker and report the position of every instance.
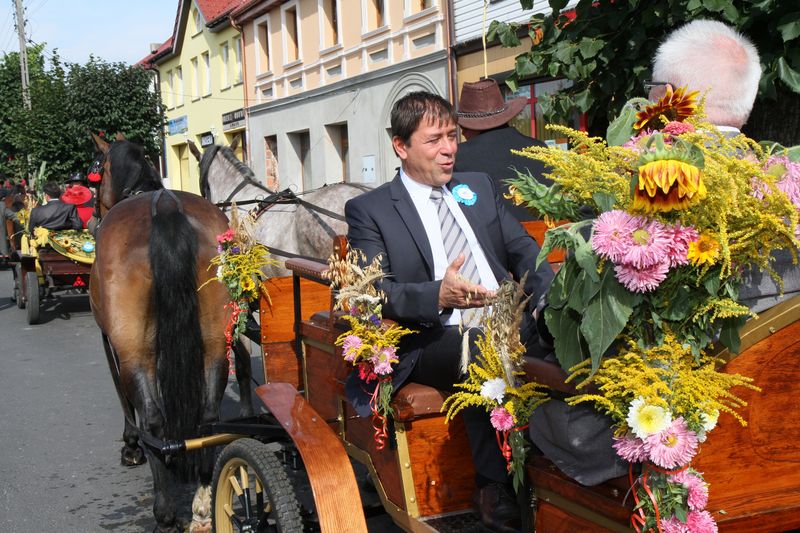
(131, 452)
(243, 374)
(152, 421)
(216, 380)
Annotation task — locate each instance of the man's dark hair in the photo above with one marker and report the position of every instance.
(52, 189)
(409, 111)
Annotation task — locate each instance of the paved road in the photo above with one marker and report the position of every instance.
(61, 427)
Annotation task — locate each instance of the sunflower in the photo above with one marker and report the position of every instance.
(675, 106)
(669, 178)
(703, 251)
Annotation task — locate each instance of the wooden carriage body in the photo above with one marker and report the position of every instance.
(426, 472)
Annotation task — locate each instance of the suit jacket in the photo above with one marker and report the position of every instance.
(490, 152)
(384, 221)
(55, 215)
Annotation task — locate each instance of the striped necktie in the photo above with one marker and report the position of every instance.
(455, 243)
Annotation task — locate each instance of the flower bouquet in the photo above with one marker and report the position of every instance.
(493, 380)
(240, 262)
(680, 211)
(371, 342)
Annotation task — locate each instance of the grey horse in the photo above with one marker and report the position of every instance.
(302, 227)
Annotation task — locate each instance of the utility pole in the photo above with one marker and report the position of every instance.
(23, 55)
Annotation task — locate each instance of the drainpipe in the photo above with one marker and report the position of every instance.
(245, 92)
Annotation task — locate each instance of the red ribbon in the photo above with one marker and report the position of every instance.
(638, 517)
(380, 423)
(505, 447)
(229, 329)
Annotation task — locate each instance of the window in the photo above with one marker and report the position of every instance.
(262, 45)
(375, 15)
(195, 79)
(291, 36)
(271, 160)
(224, 53)
(330, 23)
(179, 86)
(207, 69)
(237, 50)
(198, 21)
(168, 89)
(533, 124)
(415, 6)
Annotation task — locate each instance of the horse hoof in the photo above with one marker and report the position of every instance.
(201, 526)
(132, 456)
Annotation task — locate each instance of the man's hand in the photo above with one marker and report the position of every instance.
(460, 293)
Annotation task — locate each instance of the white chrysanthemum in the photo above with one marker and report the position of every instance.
(710, 420)
(219, 272)
(494, 389)
(645, 419)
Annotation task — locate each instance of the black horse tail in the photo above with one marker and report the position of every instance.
(178, 339)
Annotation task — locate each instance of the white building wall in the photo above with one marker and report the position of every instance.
(363, 103)
(468, 15)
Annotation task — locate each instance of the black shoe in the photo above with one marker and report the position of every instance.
(498, 508)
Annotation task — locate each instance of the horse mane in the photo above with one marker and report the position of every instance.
(132, 172)
(208, 157)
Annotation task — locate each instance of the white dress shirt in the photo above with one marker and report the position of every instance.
(428, 213)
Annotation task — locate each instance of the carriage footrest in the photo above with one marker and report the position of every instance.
(465, 522)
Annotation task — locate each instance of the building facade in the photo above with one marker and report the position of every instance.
(201, 82)
(321, 77)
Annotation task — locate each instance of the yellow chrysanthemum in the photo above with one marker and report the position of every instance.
(668, 184)
(703, 251)
(674, 106)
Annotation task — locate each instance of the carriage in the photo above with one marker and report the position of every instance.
(57, 261)
(420, 482)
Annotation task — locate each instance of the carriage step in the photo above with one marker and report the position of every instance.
(464, 522)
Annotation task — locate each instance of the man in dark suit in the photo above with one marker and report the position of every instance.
(55, 214)
(402, 221)
(483, 116)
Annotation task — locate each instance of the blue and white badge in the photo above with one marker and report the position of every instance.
(88, 247)
(464, 195)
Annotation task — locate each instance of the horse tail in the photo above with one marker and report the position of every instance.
(178, 339)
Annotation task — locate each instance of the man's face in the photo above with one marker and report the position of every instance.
(430, 154)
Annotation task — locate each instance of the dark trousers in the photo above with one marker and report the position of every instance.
(438, 366)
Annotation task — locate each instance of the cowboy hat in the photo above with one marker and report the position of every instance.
(76, 195)
(481, 106)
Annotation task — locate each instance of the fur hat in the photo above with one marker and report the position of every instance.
(482, 107)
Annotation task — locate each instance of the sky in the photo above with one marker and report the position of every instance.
(114, 30)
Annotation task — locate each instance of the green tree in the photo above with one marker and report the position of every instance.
(605, 48)
(67, 101)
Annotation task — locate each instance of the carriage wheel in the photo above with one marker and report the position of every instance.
(18, 287)
(32, 297)
(252, 491)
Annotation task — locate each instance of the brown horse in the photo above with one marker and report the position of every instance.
(164, 339)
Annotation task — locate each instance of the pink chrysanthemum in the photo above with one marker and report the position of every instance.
(701, 522)
(613, 234)
(642, 279)
(651, 240)
(696, 487)
(673, 525)
(678, 246)
(677, 128)
(501, 419)
(350, 347)
(631, 448)
(383, 359)
(673, 447)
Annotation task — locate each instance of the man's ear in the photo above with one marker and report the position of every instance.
(399, 147)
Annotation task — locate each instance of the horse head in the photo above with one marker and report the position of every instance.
(125, 171)
(223, 177)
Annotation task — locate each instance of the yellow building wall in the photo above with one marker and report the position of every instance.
(203, 108)
(470, 67)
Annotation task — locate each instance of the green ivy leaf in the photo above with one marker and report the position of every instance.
(590, 46)
(789, 26)
(525, 66)
(788, 75)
